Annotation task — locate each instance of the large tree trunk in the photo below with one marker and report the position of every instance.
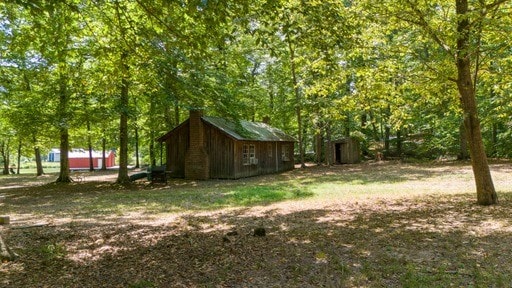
(122, 177)
(37, 153)
(4, 151)
(39, 164)
(124, 102)
(64, 176)
(486, 194)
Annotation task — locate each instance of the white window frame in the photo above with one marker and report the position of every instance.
(248, 154)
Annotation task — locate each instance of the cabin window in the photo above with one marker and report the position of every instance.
(269, 150)
(249, 154)
(285, 153)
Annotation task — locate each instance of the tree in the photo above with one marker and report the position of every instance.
(486, 194)
(57, 55)
(461, 42)
(119, 23)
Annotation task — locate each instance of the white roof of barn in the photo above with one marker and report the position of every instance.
(82, 153)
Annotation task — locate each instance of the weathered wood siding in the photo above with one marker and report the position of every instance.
(177, 146)
(220, 149)
(269, 155)
(345, 151)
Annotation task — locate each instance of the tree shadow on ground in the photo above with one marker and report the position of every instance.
(396, 243)
(104, 198)
(378, 172)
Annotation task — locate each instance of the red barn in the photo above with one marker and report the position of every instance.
(79, 159)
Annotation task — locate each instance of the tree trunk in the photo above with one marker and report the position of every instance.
(39, 164)
(319, 139)
(137, 160)
(152, 121)
(64, 175)
(4, 150)
(89, 143)
(387, 135)
(328, 147)
(152, 154)
(387, 131)
(18, 157)
(104, 152)
(298, 103)
(37, 153)
(486, 194)
(122, 177)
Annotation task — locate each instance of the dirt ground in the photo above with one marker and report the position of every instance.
(422, 230)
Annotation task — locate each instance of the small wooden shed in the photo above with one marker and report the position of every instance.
(206, 147)
(345, 151)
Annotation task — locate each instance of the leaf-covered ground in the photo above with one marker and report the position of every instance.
(382, 225)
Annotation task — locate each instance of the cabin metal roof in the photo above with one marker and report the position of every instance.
(248, 131)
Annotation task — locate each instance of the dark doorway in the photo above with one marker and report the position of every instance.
(337, 152)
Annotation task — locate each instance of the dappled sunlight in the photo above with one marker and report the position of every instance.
(349, 232)
(356, 238)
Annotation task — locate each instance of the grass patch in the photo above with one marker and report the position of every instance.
(203, 198)
(85, 200)
(256, 195)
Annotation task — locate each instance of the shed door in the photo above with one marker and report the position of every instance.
(337, 152)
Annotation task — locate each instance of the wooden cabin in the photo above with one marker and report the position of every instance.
(206, 147)
(345, 151)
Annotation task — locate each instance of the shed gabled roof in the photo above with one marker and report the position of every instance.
(245, 130)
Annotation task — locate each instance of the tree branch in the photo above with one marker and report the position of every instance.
(422, 23)
(495, 4)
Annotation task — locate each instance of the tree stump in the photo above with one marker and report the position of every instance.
(4, 220)
(6, 254)
(259, 232)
